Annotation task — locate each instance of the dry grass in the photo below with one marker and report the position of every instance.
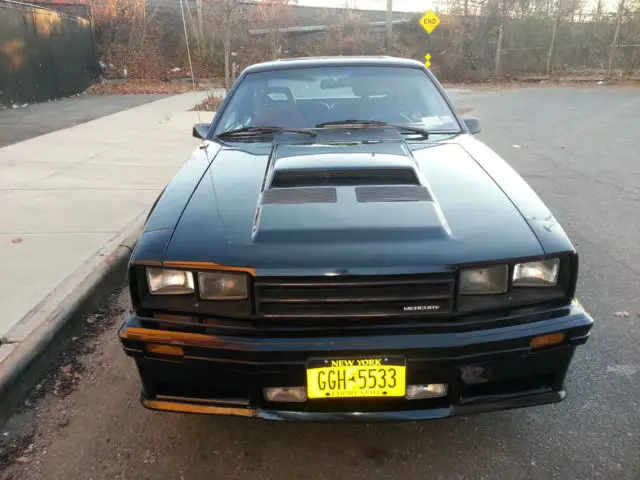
(138, 86)
(210, 104)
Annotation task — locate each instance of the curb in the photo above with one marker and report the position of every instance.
(25, 366)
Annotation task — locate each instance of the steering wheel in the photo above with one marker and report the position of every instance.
(392, 118)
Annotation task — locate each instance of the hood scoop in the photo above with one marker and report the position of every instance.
(345, 194)
(367, 173)
(338, 165)
(343, 177)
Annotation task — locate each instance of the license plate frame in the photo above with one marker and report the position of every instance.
(353, 380)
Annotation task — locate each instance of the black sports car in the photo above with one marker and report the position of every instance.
(340, 247)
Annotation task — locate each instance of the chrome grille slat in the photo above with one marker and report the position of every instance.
(369, 281)
(354, 296)
(353, 300)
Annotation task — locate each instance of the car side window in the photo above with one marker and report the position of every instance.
(241, 116)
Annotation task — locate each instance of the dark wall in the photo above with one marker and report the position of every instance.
(43, 54)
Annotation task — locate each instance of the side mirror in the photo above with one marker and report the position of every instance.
(473, 124)
(200, 130)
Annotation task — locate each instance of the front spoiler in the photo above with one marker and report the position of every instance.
(496, 404)
(486, 370)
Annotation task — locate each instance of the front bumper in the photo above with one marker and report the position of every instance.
(486, 370)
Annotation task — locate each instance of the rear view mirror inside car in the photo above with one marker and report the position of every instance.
(329, 83)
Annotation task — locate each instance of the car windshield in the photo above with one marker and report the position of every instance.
(308, 97)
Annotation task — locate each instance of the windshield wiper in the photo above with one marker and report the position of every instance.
(256, 131)
(368, 123)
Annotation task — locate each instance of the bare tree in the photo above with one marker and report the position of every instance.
(200, 15)
(498, 65)
(274, 15)
(389, 23)
(553, 42)
(614, 43)
(563, 9)
(504, 10)
(229, 15)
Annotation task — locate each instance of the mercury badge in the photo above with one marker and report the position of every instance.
(421, 308)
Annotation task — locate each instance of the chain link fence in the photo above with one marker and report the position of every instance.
(475, 40)
(479, 46)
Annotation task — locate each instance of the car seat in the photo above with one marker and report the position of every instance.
(274, 111)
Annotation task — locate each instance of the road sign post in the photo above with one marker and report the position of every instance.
(429, 22)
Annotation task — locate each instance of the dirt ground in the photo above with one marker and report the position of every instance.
(36, 449)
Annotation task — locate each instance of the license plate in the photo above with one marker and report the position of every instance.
(356, 377)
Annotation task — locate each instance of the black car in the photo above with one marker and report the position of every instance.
(340, 247)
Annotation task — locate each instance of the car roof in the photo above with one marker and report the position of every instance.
(333, 61)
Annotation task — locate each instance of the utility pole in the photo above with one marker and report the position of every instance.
(389, 22)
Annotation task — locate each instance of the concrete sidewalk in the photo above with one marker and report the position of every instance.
(17, 125)
(70, 197)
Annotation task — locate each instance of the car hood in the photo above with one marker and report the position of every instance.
(461, 216)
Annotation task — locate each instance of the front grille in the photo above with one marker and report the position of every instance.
(354, 296)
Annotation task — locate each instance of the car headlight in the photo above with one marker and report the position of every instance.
(485, 280)
(222, 286)
(541, 273)
(169, 282)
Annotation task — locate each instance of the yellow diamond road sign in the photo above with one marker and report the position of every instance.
(430, 21)
(427, 57)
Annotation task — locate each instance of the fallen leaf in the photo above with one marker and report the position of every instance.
(209, 104)
(138, 87)
(621, 314)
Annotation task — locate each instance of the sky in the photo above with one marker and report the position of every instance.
(398, 5)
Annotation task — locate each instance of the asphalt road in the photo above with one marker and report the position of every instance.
(21, 124)
(579, 150)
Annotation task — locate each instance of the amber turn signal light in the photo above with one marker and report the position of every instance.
(164, 349)
(548, 340)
